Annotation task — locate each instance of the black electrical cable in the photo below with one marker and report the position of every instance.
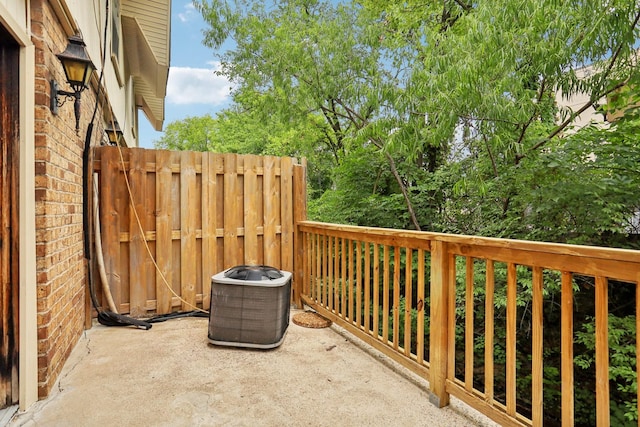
(170, 316)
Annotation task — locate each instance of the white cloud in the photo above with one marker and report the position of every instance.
(189, 11)
(188, 85)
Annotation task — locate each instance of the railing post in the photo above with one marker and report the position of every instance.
(439, 324)
(299, 214)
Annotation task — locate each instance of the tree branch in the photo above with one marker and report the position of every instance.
(403, 187)
(570, 119)
(493, 160)
(353, 115)
(464, 6)
(533, 116)
(591, 101)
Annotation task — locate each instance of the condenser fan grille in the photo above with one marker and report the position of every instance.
(253, 272)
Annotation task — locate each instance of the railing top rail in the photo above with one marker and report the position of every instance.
(375, 234)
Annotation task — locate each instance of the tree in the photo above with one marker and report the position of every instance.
(485, 79)
(305, 59)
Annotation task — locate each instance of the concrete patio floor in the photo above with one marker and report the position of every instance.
(171, 376)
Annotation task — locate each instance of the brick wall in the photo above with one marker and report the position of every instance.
(61, 276)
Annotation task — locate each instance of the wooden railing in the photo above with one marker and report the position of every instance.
(407, 293)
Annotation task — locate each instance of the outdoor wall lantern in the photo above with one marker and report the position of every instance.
(113, 132)
(77, 68)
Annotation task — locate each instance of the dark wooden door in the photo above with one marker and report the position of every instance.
(9, 160)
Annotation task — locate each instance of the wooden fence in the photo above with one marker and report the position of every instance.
(407, 293)
(197, 214)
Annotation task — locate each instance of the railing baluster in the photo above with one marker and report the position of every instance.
(309, 277)
(488, 330)
(350, 283)
(385, 296)
(311, 264)
(376, 289)
(602, 353)
(396, 297)
(511, 338)
(421, 309)
(330, 278)
(322, 269)
(468, 325)
(319, 269)
(367, 286)
(358, 319)
(325, 270)
(343, 276)
(337, 276)
(408, 290)
(536, 352)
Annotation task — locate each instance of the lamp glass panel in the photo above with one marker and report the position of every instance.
(87, 74)
(113, 136)
(77, 72)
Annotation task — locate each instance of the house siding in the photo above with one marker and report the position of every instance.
(60, 271)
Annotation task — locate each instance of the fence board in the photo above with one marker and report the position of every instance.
(286, 213)
(271, 205)
(110, 222)
(163, 231)
(250, 213)
(188, 206)
(299, 191)
(209, 231)
(231, 210)
(200, 212)
(137, 250)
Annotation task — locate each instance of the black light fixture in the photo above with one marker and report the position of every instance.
(77, 68)
(113, 132)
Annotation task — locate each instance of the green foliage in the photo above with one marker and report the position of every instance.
(401, 325)
(484, 78)
(622, 368)
(364, 194)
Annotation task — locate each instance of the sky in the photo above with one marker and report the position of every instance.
(193, 89)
